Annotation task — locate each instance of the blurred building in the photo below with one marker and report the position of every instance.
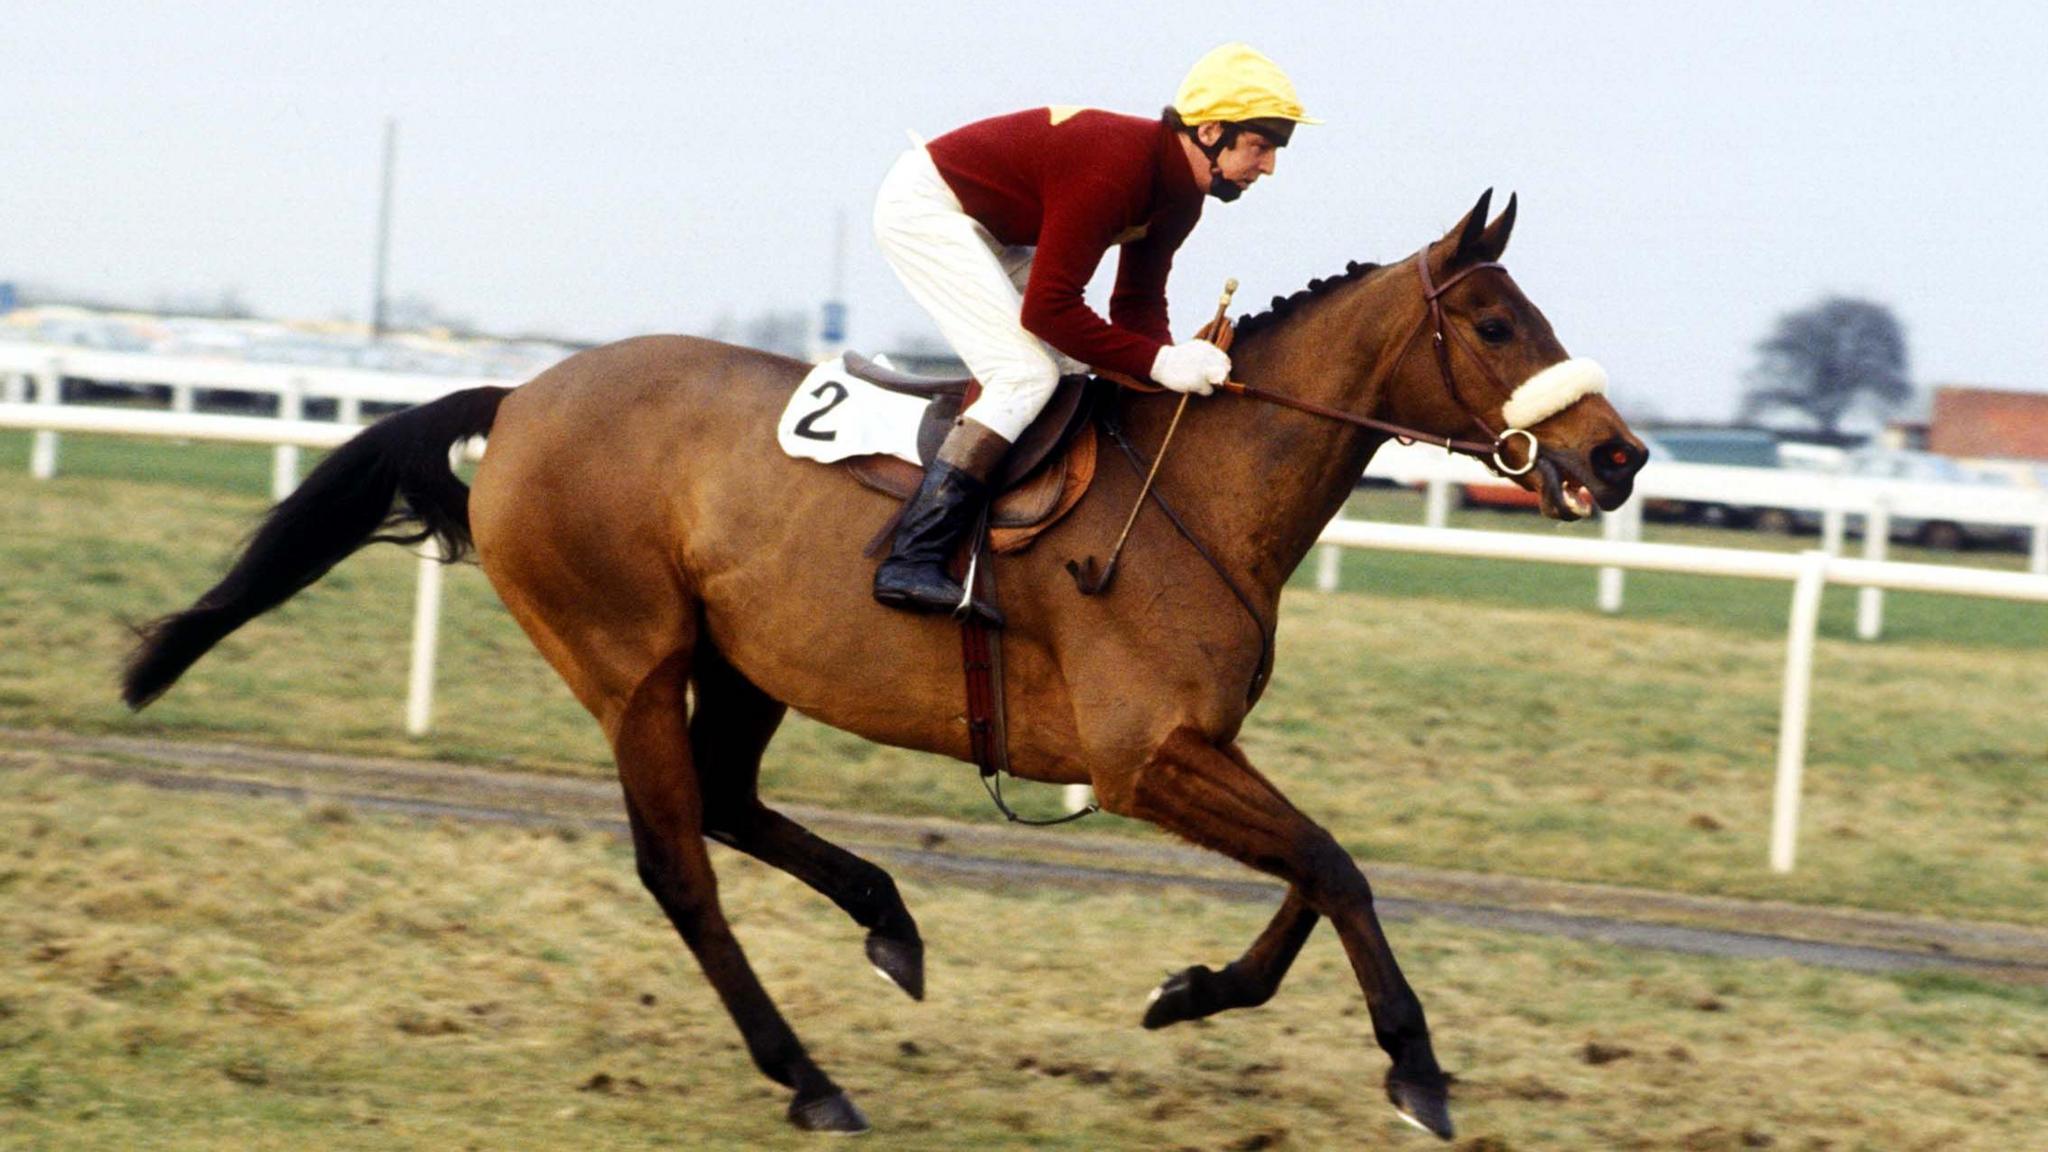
(1988, 424)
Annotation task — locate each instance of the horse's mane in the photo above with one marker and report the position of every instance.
(1282, 305)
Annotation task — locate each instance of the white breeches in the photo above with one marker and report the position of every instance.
(973, 287)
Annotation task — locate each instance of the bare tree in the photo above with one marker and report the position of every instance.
(1821, 361)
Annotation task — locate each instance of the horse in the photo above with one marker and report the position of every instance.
(692, 584)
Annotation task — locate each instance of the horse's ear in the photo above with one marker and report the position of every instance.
(1495, 239)
(1472, 231)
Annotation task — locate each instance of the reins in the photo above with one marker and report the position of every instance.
(1489, 452)
(1086, 578)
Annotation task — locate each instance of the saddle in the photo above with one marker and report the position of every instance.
(1045, 474)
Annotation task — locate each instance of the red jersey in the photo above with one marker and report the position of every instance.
(1075, 183)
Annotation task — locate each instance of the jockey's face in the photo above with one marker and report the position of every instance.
(1249, 157)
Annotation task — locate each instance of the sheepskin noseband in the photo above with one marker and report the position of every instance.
(1552, 391)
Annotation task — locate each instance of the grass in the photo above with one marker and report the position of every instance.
(194, 972)
(234, 468)
(1456, 713)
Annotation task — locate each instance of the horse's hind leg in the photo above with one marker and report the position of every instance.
(664, 805)
(729, 729)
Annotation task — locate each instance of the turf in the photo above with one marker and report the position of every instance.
(193, 972)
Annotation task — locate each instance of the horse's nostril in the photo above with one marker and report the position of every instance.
(1617, 460)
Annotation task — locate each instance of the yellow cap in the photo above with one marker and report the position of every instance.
(1237, 83)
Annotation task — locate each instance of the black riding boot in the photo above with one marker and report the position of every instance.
(945, 506)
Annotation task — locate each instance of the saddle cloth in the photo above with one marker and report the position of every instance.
(883, 427)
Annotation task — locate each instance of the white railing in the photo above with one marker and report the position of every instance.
(1791, 489)
(1809, 572)
(44, 367)
(1834, 497)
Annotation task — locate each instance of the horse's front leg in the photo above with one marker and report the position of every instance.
(1195, 790)
(1246, 982)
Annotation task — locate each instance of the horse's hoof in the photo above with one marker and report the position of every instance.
(834, 1113)
(1427, 1106)
(1186, 995)
(901, 962)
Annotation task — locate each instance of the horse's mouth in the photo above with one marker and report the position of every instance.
(1562, 496)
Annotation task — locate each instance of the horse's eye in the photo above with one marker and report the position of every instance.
(1495, 331)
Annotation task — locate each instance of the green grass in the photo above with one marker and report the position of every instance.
(189, 972)
(235, 468)
(1462, 715)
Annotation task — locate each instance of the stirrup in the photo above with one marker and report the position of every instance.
(980, 610)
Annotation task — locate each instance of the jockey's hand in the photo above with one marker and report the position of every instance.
(1194, 366)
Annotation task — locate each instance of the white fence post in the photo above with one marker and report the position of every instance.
(13, 387)
(1436, 503)
(1610, 579)
(284, 466)
(1834, 521)
(348, 410)
(183, 398)
(1799, 642)
(1329, 563)
(426, 639)
(2037, 556)
(1877, 536)
(42, 459)
(1624, 523)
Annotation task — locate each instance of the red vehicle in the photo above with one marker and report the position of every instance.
(1496, 494)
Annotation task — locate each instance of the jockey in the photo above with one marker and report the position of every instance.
(996, 229)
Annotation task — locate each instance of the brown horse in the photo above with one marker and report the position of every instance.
(692, 584)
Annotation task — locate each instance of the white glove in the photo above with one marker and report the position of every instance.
(1196, 366)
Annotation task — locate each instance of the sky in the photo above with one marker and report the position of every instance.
(1687, 172)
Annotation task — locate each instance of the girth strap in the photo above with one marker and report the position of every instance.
(981, 657)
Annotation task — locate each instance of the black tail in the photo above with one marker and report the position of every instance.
(339, 508)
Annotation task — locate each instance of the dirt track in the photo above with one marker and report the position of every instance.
(994, 854)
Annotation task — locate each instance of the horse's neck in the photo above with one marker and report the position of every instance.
(1257, 481)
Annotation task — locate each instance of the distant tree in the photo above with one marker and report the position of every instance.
(1822, 360)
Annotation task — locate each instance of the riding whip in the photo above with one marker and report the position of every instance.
(1084, 574)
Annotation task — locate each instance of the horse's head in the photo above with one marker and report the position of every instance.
(1483, 356)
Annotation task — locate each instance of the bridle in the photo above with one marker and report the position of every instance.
(1490, 452)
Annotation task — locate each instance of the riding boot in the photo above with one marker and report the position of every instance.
(945, 506)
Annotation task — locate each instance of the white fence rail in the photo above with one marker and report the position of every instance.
(45, 368)
(1834, 497)
(213, 374)
(1809, 572)
(1793, 490)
